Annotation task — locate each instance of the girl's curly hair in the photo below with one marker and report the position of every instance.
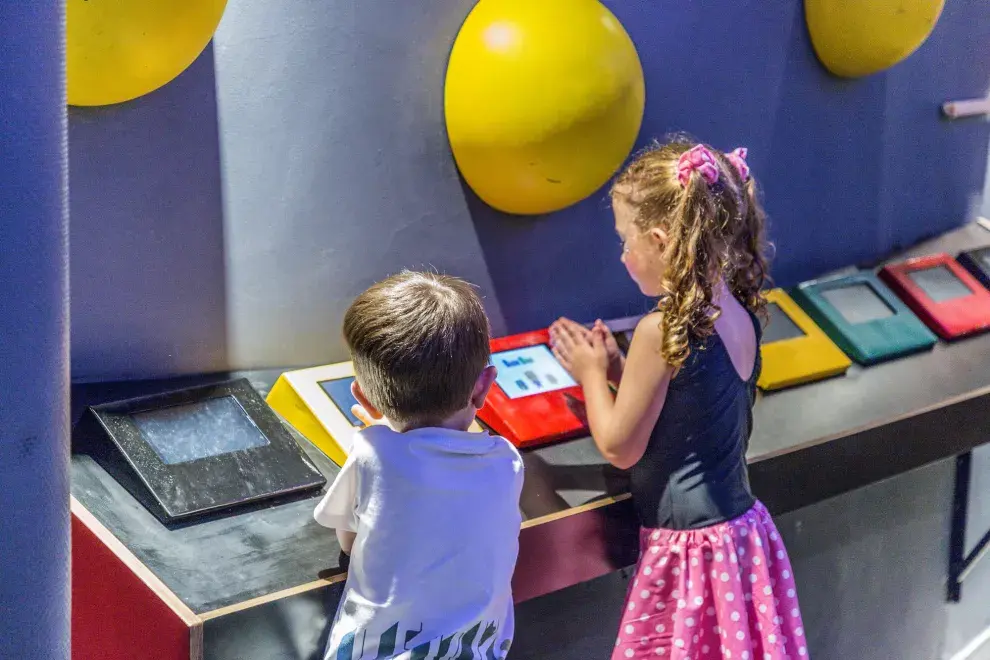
(714, 231)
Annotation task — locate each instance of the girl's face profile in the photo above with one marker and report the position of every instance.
(642, 252)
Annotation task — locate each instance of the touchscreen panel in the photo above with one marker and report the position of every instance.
(339, 392)
(781, 326)
(189, 432)
(530, 370)
(858, 303)
(939, 283)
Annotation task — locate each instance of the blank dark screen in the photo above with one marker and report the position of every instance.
(858, 303)
(781, 326)
(192, 431)
(339, 392)
(940, 283)
(983, 256)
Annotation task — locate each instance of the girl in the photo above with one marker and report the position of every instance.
(713, 580)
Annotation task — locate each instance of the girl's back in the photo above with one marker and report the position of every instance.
(693, 473)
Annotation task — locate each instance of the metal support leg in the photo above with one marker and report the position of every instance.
(957, 533)
(961, 564)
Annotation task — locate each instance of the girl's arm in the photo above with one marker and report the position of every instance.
(621, 426)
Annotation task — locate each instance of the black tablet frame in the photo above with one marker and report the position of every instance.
(183, 491)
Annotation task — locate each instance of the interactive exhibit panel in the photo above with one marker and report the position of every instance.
(534, 400)
(867, 321)
(977, 262)
(191, 452)
(942, 293)
(317, 402)
(795, 350)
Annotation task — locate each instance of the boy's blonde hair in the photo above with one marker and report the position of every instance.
(419, 341)
(714, 230)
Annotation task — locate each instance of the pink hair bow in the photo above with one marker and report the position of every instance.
(697, 159)
(738, 159)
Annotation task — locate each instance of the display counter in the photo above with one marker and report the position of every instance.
(264, 582)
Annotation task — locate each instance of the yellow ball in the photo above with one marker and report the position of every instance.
(543, 100)
(855, 38)
(118, 50)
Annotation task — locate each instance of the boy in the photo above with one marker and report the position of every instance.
(428, 512)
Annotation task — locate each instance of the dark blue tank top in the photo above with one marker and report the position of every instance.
(693, 473)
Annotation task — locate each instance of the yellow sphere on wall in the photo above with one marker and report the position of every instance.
(855, 38)
(118, 50)
(543, 100)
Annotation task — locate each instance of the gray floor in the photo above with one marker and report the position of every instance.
(578, 623)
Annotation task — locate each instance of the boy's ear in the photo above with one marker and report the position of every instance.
(482, 386)
(364, 402)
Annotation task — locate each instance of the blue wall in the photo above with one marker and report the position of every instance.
(851, 169)
(228, 219)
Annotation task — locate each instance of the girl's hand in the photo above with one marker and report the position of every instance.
(580, 351)
(616, 360)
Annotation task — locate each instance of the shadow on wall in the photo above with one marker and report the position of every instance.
(851, 169)
(561, 263)
(336, 166)
(146, 236)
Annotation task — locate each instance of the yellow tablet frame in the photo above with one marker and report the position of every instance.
(799, 360)
(299, 399)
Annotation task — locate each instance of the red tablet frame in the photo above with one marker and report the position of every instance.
(532, 420)
(950, 319)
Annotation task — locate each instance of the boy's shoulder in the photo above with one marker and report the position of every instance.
(374, 442)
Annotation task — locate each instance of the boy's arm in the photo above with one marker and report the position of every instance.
(338, 508)
(346, 540)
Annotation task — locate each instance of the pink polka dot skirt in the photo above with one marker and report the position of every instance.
(722, 592)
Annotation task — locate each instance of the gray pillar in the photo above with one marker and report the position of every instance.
(34, 324)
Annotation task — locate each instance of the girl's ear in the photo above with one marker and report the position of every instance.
(658, 237)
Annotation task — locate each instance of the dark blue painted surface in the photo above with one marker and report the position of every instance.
(851, 169)
(34, 353)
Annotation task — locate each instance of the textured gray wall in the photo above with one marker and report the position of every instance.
(34, 337)
(336, 166)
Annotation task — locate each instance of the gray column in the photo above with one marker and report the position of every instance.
(34, 365)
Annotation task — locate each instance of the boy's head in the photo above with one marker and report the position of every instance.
(420, 345)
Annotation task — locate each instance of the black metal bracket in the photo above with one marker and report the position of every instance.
(960, 563)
